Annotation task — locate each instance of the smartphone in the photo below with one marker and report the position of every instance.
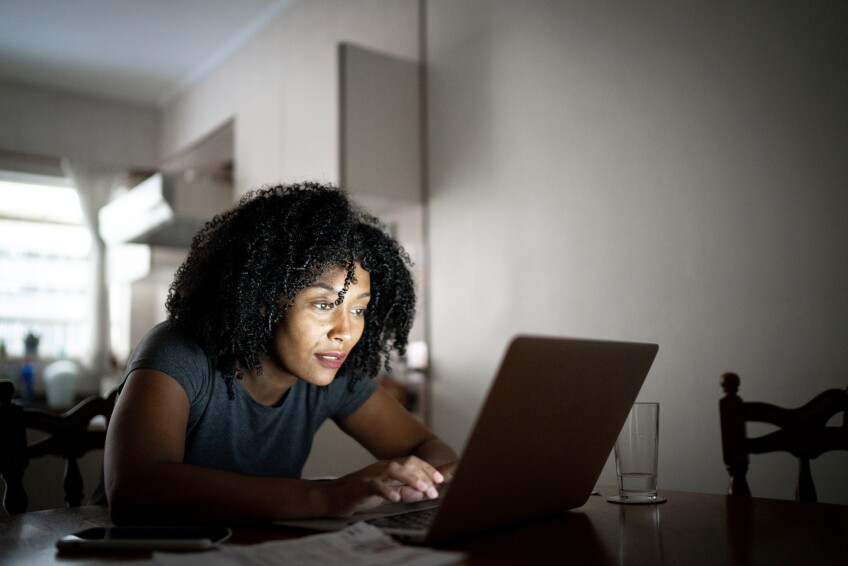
(143, 539)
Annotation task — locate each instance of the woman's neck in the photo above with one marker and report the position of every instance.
(267, 388)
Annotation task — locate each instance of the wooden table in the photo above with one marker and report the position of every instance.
(691, 528)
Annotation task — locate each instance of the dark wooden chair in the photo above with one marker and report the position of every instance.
(803, 432)
(68, 436)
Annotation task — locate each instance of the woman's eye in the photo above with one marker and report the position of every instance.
(324, 306)
(359, 311)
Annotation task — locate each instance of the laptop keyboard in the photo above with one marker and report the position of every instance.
(414, 520)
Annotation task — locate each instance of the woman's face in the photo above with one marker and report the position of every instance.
(316, 335)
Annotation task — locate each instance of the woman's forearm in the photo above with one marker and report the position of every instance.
(437, 454)
(182, 493)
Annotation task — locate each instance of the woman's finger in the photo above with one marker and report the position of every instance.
(384, 490)
(415, 473)
(409, 495)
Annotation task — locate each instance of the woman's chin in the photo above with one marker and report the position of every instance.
(321, 378)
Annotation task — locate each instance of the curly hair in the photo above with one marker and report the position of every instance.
(246, 265)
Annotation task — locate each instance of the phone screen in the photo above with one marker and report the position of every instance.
(144, 538)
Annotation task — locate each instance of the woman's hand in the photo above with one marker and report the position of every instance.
(413, 461)
(448, 470)
(407, 479)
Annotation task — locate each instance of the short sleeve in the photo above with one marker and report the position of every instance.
(172, 352)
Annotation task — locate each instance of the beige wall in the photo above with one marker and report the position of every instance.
(665, 172)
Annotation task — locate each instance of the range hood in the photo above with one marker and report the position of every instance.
(164, 210)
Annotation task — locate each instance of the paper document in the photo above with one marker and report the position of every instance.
(358, 544)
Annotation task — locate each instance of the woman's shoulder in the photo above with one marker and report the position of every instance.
(167, 335)
(170, 349)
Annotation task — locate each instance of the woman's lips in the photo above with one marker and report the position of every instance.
(332, 360)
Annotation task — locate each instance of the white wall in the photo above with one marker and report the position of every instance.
(655, 171)
(58, 124)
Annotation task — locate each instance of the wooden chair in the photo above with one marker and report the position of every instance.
(68, 436)
(803, 432)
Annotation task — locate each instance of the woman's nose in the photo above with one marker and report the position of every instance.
(341, 325)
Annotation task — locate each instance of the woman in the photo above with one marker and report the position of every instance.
(283, 311)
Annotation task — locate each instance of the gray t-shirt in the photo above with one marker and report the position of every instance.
(240, 435)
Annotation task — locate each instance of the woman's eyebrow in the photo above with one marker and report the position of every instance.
(331, 289)
(325, 286)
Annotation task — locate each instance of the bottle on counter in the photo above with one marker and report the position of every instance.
(27, 383)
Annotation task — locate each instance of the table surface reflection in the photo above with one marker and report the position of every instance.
(691, 528)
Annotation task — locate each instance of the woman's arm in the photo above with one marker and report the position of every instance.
(147, 481)
(387, 430)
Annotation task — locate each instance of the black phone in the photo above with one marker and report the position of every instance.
(143, 539)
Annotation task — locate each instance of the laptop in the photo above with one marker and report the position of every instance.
(539, 444)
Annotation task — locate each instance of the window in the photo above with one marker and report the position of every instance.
(45, 266)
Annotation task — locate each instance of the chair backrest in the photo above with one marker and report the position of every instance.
(803, 432)
(68, 436)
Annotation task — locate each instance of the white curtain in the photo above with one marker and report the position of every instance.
(96, 184)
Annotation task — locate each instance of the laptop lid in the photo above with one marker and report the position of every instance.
(544, 433)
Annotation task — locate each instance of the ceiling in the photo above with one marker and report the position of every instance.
(140, 51)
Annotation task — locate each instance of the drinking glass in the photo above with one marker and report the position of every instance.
(636, 452)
